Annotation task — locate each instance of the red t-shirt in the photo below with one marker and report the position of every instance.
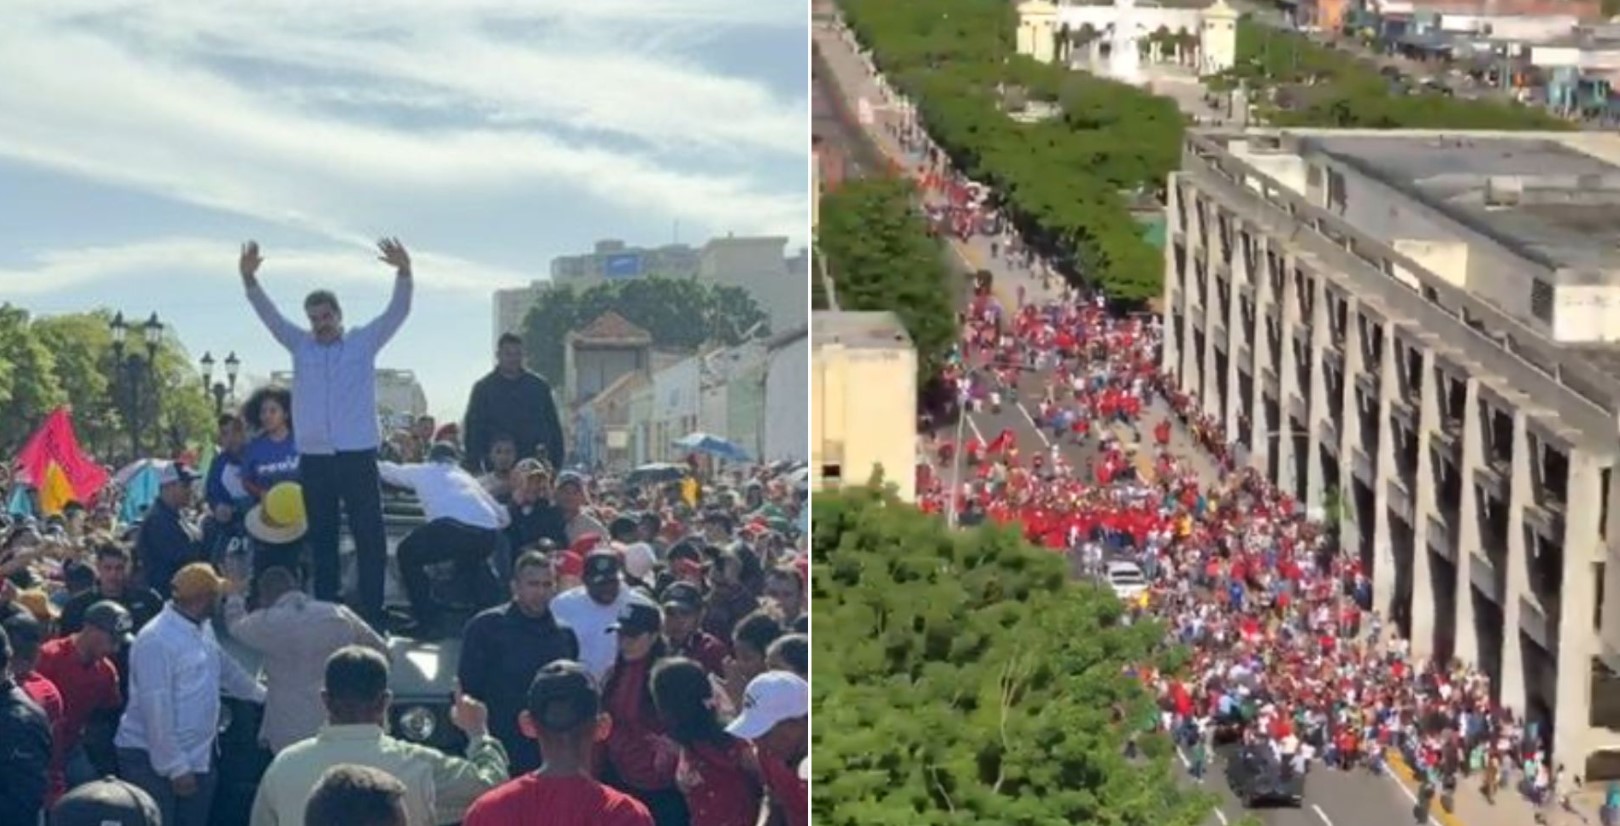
(86, 687)
(786, 789)
(719, 790)
(42, 691)
(533, 800)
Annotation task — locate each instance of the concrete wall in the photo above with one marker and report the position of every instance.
(787, 418)
(674, 407)
(865, 415)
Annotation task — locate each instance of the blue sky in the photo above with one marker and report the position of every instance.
(141, 142)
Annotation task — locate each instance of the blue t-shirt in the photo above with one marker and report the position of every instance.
(266, 462)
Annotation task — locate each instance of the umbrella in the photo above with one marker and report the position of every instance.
(712, 445)
(800, 478)
(656, 473)
(129, 471)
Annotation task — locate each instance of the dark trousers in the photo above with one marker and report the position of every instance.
(439, 541)
(135, 766)
(346, 482)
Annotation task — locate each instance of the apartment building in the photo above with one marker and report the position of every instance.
(1421, 332)
(863, 391)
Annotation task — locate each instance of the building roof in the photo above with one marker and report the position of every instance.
(1542, 199)
(618, 387)
(611, 328)
(880, 330)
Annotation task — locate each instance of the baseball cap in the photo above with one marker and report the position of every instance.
(570, 477)
(639, 617)
(640, 559)
(444, 452)
(683, 596)
(530, 467)
(112, 618)
(195, 580)
(172, 472)
(563, 696)
(106, 802)
(770, 699)
(25, 630)
(586, 543)
(601, 566)
(38, 604)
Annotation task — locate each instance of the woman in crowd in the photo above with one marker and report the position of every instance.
(271, 455)
(641, 759)
(715, 772)
(750, 641)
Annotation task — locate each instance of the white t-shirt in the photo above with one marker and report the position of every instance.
(591, 621)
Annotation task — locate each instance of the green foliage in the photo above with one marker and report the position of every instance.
(972, 682)
(68, 359)
(881, 257)
(1062, 178)
(679, 314)
(1327, 87)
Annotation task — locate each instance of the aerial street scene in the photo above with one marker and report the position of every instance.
(403, 413)
(1214, 408)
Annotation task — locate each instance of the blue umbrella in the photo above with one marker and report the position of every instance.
(712, 445)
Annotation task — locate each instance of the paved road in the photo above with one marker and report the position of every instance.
(1332, 798)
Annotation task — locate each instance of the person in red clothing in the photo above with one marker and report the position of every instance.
(640, 759)
(26, 634)
(683, 631)
(564, 716)
(776, 717)
(716, 772)
(81, 665)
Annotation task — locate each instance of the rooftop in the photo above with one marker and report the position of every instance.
(880, 330)
(611, 328)
(1537, 196)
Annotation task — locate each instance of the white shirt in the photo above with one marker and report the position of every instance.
(176, 671)
(448, 492)
(591, 621)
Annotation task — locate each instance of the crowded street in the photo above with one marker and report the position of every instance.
(1066, 432)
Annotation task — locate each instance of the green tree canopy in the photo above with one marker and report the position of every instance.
(972, 682)
(68, 359)
(881, 257)
(679, 313)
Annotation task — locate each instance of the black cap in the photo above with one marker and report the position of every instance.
(106, 802)
(622, 526)
(639, 617)
(444, 452)
(683, 596)
(563, 697)
(112, 618)
(601, 566)
(570, 477)
(26, 632)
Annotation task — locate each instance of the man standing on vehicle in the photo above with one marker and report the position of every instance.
(515, 401)
(335, 405)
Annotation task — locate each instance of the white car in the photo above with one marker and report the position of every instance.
(1127, 580)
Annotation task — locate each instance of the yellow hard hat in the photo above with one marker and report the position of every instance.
(280, 518)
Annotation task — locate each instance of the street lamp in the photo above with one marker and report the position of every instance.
(130, 367)
(220, 390)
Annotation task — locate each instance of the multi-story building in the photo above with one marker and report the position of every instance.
(1419, 334)
(612, 259)
(399, 394)
(512, 306)
(863, 391)
(780, 285)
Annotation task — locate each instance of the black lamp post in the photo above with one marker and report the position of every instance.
(131, 368)
(220, 390)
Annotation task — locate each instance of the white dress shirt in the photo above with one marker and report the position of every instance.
(591, 620)
(176, 672)
(448, 492)
(296, 635)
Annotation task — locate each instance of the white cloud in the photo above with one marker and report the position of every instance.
(76, 269)
(120, 91)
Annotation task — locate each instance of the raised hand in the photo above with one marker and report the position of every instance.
(394, 254)
(249, 263)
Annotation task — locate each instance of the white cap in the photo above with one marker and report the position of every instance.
(771, 698)
(639, 560)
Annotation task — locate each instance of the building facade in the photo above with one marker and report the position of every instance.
(786, 427)
(863, 392)
(1416, 334)
(399, 394)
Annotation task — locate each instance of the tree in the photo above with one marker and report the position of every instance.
(972, 682)
(881, 257)
(679, 314)
(67, 359)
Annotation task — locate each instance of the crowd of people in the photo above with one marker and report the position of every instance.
(630, 651)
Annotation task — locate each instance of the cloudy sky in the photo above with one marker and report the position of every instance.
(140, 143)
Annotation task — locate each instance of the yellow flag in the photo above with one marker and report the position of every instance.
(689, 491)
(54, 491)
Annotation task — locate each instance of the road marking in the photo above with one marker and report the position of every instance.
(1321, 814)
(1032, 425)
(1387, 772)
(974, 426)
(1221, 816)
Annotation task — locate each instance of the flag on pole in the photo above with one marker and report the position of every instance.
(55, 445)
(54, 491)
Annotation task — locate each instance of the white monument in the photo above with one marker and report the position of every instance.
(1217, 39)
(1106, 37)
(1125, 56)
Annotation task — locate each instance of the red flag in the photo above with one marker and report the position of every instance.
(56, 442)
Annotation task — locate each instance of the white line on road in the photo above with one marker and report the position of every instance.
(1032, 425)
(1221, 816)
(1182, 756)
(1384, 771)
(1321, 814)
(974, 426)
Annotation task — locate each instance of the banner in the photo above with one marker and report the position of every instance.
(55, 443)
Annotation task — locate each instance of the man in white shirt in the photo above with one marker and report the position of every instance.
(464, 526)
(592, 610)
(296, 633)
(166, 737)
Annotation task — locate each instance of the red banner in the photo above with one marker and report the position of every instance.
(56, 442)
